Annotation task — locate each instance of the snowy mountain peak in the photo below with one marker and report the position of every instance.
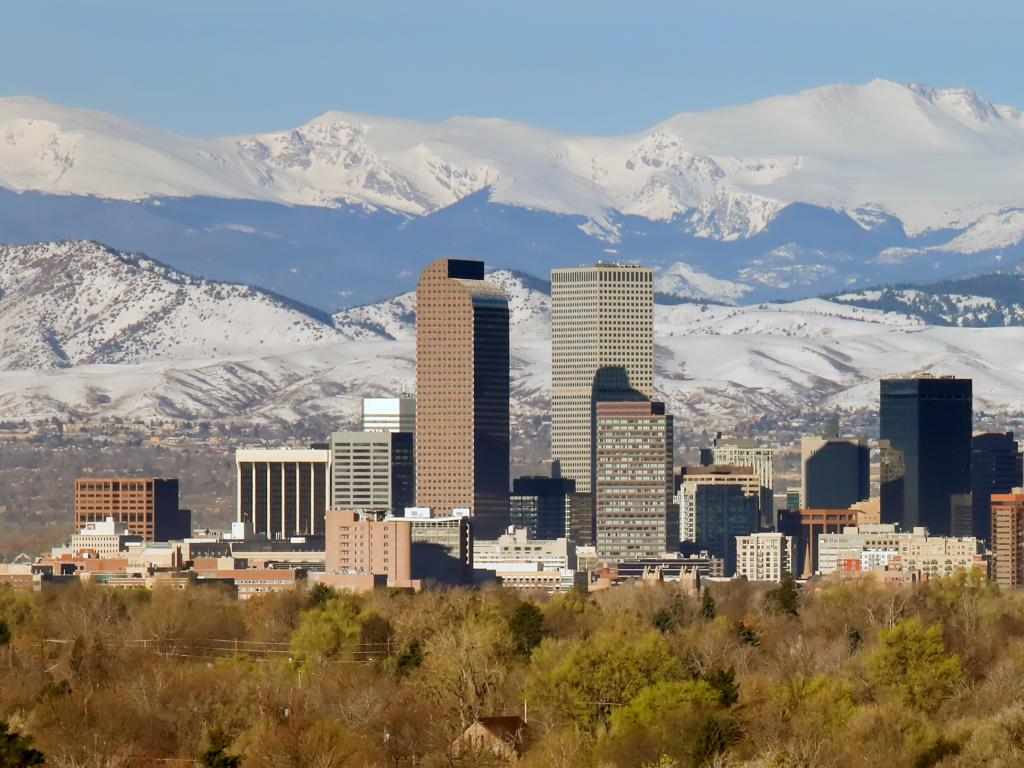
(924, 155)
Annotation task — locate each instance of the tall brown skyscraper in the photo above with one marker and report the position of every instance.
(462, 395)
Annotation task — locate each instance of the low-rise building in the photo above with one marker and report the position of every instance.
(521, 562)
(764, 556)
(916, 555)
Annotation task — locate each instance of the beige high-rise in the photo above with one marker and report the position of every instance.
(462, 395)
(602, 348)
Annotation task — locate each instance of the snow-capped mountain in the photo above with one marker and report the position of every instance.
(89, 333)
(927, 156)
(842, 186)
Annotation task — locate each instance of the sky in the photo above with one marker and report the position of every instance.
(222, 67)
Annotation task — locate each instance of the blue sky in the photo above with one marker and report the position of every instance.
(220, 67)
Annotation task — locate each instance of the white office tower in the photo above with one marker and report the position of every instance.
(602, 348)
(764, 556)
(389, 414)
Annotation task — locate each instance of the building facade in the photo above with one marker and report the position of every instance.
(742, 452)
(389, 414)
(373, 471)
(689, 479)
(148, 506)
(542, 505)
(462, 394)
(634, 481)
(834, 472)
(1007, 532)
(925, 426)
(916, 553)
(724, 512)
(764, 556)
(804, 526)
(602, 349)
(283, 492)
(995, 468)
(360, 545)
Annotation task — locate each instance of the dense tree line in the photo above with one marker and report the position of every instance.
(845, 674)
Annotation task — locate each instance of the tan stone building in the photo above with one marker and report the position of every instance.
(1008, 538)
(462, 394)
(602, 348)
(634, 481)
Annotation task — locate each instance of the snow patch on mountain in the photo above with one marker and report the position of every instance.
(683, 281)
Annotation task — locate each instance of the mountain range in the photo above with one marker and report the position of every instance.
(89, 333)
(830, 190)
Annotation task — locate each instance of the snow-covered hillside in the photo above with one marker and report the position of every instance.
(75, 303)
(88, 333)
(930, 157)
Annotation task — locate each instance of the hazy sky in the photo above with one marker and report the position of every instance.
(220, 67)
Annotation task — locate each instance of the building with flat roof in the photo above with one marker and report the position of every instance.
(925, 433)
(1007, 532)
(723, 512)
(634, 483)
(389, 414)
(834, 472)
(764, 556)
(689, 479)
(147, 506)
(542, 505)
(283, 492)
(804, 526)
(462, 394)
(373, 471)
(996, 467)
(602, 350)
(916, 553)
(744, 452)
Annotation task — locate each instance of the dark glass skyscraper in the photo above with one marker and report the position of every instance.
(724, 512)
(926, 450)
(995, 468)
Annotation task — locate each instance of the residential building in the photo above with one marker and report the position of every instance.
(148, 506)
(689, 479)
(833, 472)
(462, 394)
(805, 526)
(925, 426)
(995, 468)
(764, 556)
(1007, 532)
(634, 481)
(389, 414)
(283, 492)
(742, 452)
(373, 471)
(602, 349)
(542, 505)
(723, 512)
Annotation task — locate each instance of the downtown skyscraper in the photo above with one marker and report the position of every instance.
(925, 439)
(462, 395)
(602, 350)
